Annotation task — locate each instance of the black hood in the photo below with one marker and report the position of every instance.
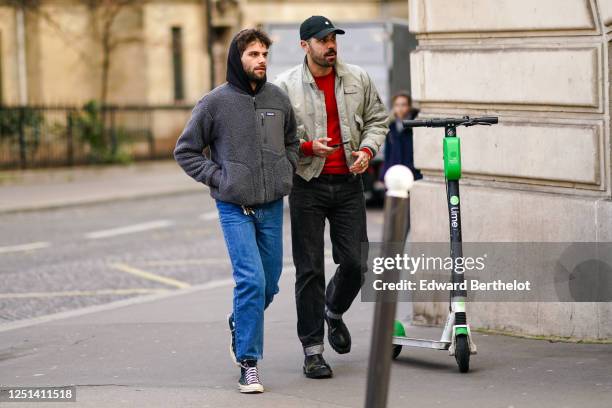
(235, 72)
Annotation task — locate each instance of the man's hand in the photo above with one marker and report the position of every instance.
(320, 148)
(361, 162)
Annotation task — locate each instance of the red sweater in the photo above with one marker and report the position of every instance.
(335, 163)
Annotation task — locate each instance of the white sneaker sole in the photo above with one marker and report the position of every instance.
(251, 389)
(232, 355)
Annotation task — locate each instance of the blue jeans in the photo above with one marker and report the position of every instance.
(255, 247)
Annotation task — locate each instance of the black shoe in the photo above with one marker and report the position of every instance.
(338, 335)
(232, 328)
(249, 382)
(316, 367)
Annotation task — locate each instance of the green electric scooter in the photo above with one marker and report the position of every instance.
(456, 336)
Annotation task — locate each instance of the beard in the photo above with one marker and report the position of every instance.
(255, 77)
(320, 59)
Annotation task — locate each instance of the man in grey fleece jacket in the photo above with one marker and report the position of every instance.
(250, 128)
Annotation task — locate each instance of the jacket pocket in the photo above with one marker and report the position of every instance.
(350, 89)
(272, 123)
(353, 98)
(236, 184)
(283, 177)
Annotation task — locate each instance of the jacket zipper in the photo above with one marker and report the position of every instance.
(263, 173)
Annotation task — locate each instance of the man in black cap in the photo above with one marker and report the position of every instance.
(341, 125)
(249, 126)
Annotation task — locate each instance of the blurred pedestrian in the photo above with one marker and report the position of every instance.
(399, 144)
(341, 125)
(250, 128)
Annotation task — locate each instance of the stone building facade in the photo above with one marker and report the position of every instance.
(60, 48)
(63, 43)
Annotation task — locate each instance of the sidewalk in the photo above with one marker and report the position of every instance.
(173, 352)
(51, 188)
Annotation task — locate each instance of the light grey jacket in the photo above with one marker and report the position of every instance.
(363, 117)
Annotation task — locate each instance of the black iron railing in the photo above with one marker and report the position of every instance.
(46, 136)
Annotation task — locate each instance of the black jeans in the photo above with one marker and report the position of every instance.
(340, 199)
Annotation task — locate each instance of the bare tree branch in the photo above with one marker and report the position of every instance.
(33, 7)
(104, 15)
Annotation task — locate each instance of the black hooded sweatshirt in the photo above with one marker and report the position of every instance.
(252, 140)
(236, 74)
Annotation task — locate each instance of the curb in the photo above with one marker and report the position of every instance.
(105, 200)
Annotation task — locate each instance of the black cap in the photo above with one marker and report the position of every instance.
(317, 27)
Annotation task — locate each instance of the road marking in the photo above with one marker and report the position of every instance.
(4, 327)
(182, 262)
(209, 216)
(25, 247)
(205, 261)
(147, 226)
(137, 291)
(150, 276)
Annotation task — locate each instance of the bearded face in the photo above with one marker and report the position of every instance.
(254, 61)
(323, 52)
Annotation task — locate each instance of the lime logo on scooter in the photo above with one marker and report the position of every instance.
(454, 211)
(454, 217)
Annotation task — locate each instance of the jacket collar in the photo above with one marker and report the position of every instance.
(340, 68)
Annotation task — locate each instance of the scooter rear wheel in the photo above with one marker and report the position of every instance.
(462, 353)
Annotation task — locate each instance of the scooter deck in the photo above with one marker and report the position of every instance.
(423, 343)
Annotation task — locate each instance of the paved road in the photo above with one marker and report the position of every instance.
(61, 259)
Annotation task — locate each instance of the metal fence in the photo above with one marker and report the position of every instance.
(47, 136)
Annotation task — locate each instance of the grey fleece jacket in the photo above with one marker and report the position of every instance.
(252, 140)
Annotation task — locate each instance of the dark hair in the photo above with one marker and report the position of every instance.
(248, 35)
(402, 94)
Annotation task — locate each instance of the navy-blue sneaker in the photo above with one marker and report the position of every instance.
(232, 328)
(249, 382)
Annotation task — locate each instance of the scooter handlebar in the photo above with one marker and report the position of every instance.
(486, 120)
(444, 122)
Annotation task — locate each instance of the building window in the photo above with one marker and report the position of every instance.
(177, 63)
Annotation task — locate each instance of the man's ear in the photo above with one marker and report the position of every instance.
(304, 45)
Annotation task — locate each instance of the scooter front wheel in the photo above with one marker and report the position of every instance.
(462, 353)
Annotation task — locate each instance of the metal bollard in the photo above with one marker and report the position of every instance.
(399, 180)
